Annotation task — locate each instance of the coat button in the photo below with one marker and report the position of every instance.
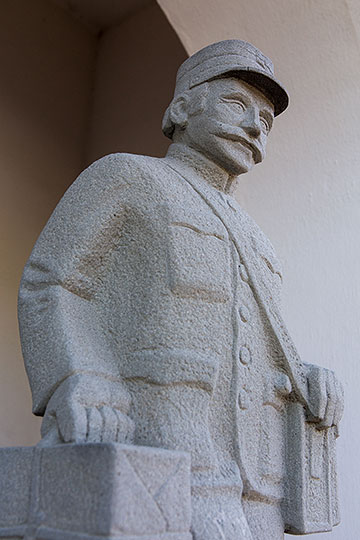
(243, 399)
(243, 272)
(244, 313)
(244, 355)
(283, 385)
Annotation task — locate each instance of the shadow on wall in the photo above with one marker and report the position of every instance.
(135, 77)
(67, 97)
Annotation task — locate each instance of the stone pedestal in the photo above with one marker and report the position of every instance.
(94, 492)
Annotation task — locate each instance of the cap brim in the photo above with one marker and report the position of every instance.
(268, 85)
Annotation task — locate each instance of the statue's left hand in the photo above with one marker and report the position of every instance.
(326, 396)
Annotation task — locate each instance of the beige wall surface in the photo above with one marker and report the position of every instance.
(66, 98)
(306, 196)
(135, 76)
(46, 73)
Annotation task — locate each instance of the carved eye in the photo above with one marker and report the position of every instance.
(265, 126)
(237, 105)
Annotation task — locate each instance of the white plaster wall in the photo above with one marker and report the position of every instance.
(306, 196)
(46, 64)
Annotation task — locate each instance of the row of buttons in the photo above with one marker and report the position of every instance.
(282, 385)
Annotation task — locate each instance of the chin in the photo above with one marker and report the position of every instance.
(235, 166)
(237, 161)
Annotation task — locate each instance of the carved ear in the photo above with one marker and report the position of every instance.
(178, 112)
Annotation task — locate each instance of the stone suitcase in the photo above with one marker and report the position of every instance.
(311, 501)
(94, 492)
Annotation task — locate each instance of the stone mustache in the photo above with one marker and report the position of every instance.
(149, 315)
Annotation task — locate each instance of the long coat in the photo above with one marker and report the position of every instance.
(147, 275)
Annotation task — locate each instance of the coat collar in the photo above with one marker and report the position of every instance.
(192, 163)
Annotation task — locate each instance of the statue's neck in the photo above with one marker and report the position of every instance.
(201, 166)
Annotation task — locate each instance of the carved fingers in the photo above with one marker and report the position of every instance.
(332, 401)
(107, 424)
(126, 428)
(326, 396)
(340, 404)
(87, 408)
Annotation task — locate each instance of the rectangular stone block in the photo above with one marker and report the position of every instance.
(15, 484)
(94, 491)
(311, 500)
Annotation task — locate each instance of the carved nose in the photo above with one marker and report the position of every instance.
(250, 122)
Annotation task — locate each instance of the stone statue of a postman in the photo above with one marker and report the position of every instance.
(149, 315)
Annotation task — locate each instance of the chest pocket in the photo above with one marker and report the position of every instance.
(199, 258)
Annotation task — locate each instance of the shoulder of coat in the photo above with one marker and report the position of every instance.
(129, 173)
(124, 168)
(134, 181)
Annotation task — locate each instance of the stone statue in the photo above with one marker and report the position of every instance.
(150, 315)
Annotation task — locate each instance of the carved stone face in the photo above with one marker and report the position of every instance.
(233, 125)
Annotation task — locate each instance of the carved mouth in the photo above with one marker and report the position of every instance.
(247, 144)
(244, 142)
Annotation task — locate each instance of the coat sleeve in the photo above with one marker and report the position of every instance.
(61, 327)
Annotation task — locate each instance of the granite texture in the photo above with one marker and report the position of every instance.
(150, 315)
(94, 491)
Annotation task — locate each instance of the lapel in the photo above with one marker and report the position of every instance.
(237, 226)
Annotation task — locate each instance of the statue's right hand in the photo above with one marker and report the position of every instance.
(87, 408)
